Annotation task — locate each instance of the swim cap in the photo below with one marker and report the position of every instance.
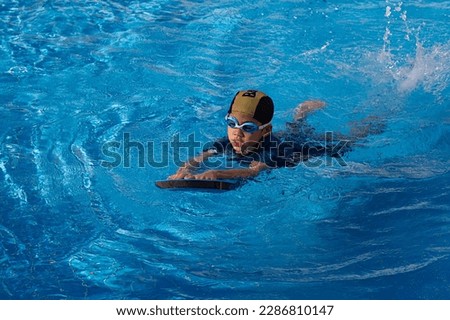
(255, 103)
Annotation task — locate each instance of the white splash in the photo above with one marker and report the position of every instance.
(417, 72)
(426, 67)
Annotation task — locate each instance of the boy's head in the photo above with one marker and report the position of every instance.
(254, 103)
(249, 119)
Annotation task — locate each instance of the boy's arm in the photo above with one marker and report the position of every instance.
(255, 168)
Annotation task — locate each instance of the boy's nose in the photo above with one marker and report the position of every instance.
(238, 132)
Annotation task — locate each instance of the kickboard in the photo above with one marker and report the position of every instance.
(211, 185)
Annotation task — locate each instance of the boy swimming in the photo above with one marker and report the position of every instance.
(250, 140)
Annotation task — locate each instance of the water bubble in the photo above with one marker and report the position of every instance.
(388, 12)
(17, 70)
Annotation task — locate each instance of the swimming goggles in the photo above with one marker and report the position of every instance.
(248, 127)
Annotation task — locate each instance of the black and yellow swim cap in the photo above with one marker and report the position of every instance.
(254, 103)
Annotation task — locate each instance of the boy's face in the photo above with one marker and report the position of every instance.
(242, 141)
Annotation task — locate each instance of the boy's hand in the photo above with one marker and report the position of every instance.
(207, 175)
(182, 173)
(186, 171)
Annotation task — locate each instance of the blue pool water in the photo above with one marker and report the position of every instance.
(75, 75)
